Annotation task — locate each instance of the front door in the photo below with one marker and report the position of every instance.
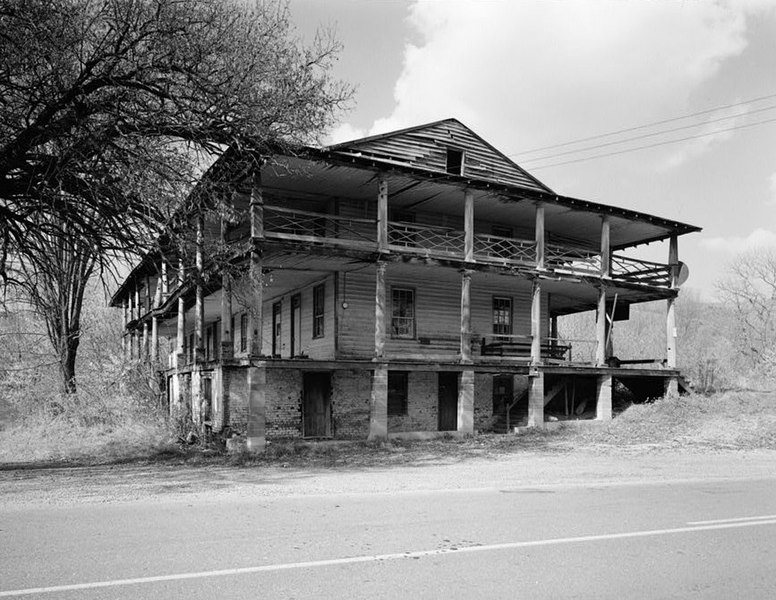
(317, 405)
(448, 401)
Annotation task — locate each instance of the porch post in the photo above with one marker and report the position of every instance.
(199, 323)
(257, 425)
(600, 333)
(603, 407)
(466, 343)
(468, 226)
(155, 323)
(606, 251)
(125, 346)
(378, 403)
(180, 342)
(227, 346)
(382, 215)
(256, 312)
(536, 323)
(145, 340)
(540, 235)
(672, 384)
(466, 401)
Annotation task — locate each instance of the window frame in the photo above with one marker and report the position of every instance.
(495, 311)
(412, 320)
(319, 310)
(244, 332)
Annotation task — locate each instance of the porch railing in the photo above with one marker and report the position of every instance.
(430, 240)
(425, 239)
(503, 249)
(284, 222)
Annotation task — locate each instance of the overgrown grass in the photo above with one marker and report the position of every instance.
(122, 428)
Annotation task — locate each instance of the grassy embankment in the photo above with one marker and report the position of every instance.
(102, 432)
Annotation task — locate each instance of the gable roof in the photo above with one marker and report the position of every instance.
(425, 147)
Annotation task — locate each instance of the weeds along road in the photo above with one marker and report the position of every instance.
(653, 526)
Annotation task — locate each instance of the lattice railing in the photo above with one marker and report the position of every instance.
(425, 238)
(504, 249)
(645, 272)
(571, 260)
(278, 220)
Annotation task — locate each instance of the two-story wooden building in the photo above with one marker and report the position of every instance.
(406, 282)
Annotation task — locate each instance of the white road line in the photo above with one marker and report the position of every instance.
(738, 520)
(385, 557)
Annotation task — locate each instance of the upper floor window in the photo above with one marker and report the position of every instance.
(454, 164)
(502, 315)
(402, 313)
(319, 295)
(243, 332)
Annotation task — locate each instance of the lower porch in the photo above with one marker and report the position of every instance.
(281, 399)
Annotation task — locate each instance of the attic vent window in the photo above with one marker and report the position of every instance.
(454, 161)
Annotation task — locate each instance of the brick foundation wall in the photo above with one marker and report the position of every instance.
(422, 400)
(236, 388)
(284, 403)
(350, 391)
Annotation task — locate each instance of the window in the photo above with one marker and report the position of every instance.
(402, 313)
(454, 161)
(243, 332)
(397, 392)
(319, 294)
(276, 328)
(502, 315)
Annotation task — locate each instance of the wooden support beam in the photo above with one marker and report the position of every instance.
(180, 340)
(466, 317)
(380, 310)
(600, 330)
(227, 345)
(606, 249)
(125, 347)
(536, 323)
(536, 400)
(540, 235)
(671, 337)
(468, 221)
(199, 300)
(382, 215)
(256, 309)
(257, 207)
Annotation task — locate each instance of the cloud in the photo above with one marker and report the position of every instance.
(345, 133)
(529, 74)
(759, 238)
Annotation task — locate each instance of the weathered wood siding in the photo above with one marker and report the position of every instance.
(426, 148)
(437, 311)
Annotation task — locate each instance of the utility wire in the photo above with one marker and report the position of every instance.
(646, 135)
(627, 150)
(638, 127)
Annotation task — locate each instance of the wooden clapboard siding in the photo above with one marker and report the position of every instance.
(437, 311)
(317, 348)
(426, 147)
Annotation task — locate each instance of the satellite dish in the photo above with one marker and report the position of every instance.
(683, 272)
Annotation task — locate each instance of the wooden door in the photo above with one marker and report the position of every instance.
(316, 407)
(448, 401)
(296, 325)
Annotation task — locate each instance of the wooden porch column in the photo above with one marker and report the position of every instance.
(256, 310)
(603, 407)
(540, 235)
(257, 403)
(536, 323)
(137, 311)
(382, 215)
(554, 331)
(468, 226)
(145, 342)
(125, 347)
(606, 250)
(199, 300)
(378, 402)
(466, 401)
(672, 383)
(466, 318)
(155, 322)
(600, 328)
(180, 333)
(227, 346)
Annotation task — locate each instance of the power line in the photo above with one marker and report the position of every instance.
(627, 150)
(646, 125)
(646, 135)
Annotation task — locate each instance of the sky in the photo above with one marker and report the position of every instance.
(535, 74)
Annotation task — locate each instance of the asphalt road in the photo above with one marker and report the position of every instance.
(680, 539)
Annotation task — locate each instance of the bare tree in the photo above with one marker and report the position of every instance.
(107, 108)
(749, 290)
